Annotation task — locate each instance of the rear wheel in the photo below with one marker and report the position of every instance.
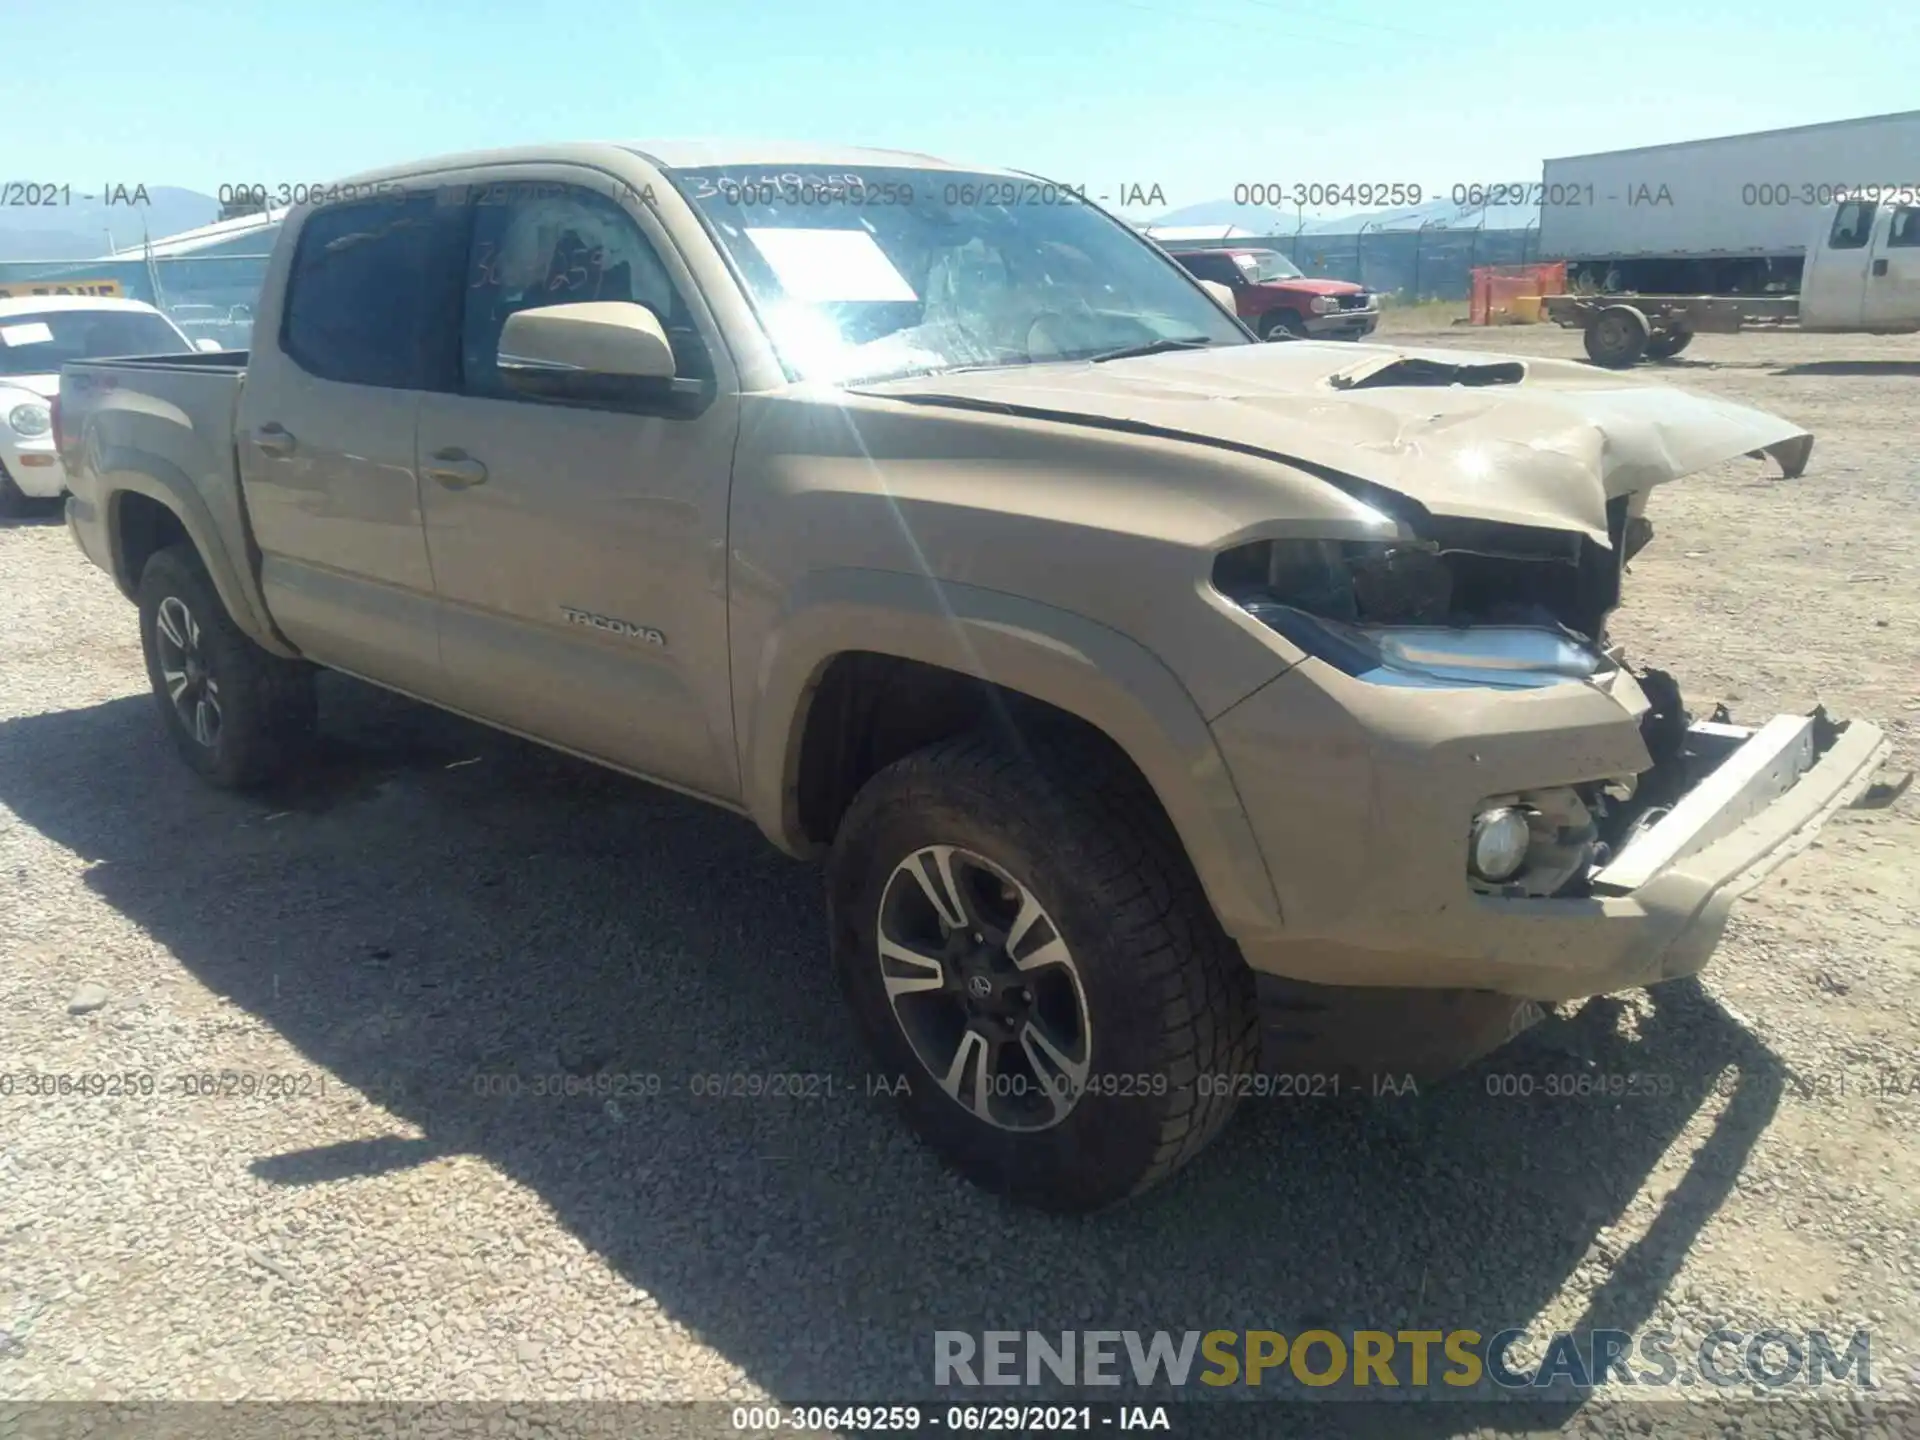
(237, 714)
(1618, 337)
(1023, 940)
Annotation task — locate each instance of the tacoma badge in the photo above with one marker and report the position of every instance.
(618, 627)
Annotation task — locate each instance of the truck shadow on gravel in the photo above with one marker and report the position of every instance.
(448, 915)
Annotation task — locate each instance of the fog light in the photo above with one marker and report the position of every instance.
(1499, 844)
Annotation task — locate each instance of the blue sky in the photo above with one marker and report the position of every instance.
(1194, 96)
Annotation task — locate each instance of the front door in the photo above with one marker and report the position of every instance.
(1893, 274)
(579, 552)
(1834, 282)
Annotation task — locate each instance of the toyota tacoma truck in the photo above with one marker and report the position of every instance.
(1136, 681)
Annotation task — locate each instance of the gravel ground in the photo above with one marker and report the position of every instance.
(434, 913)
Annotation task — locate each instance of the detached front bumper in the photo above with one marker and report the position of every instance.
(1361, 797)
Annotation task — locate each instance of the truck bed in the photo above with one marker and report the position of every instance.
(198, 361)
(168, 419)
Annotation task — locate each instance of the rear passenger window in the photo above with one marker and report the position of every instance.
(366, 300)
(1904, 231)
(1852, 225)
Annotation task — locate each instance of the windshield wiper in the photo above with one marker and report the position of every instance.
(1154, 347)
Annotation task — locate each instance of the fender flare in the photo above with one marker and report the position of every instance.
(1066, 660)
(124, 472)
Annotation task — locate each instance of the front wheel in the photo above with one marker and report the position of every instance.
(1283, 325)
(237, 714)
(1023, 940)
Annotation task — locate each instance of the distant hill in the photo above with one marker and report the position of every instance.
(1436, 214)
(81, 230)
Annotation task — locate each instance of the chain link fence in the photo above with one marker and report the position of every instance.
(1429, 263)
(210, 297)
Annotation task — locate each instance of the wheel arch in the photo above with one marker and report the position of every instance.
(845, 629)
(149, 503)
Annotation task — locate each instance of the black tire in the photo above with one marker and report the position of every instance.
(1282, 325)
(1665, 347)
(263, 706)
(1168, 1001)
(1617, 337)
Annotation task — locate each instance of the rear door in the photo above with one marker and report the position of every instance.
(368, 324)
(1833, 285)
(579, 551)
(1893, 272)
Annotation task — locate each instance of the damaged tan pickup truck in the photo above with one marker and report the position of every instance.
(1125, 670)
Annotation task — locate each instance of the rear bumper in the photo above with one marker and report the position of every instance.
(1362, 805)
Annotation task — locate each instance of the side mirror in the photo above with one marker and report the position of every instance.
(610, 350)
(208, 347)
(1222, 294)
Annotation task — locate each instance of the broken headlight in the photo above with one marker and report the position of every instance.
(1387, 612)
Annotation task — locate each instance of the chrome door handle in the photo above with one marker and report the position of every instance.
(273, 438)
(456, 469)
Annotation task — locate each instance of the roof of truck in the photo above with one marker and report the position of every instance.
(674, 155)
(692, 154)
(1899, 117)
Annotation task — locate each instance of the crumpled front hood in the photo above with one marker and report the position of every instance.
(1505, 438)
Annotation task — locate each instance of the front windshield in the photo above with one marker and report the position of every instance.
(1261, 265)
(40, 342)
(897, 271)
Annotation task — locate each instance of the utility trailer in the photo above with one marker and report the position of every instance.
(1621, 330)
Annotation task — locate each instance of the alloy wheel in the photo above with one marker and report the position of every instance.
(984, 988)
(191, 686)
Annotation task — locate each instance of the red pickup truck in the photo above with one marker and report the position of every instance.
(1273, 297)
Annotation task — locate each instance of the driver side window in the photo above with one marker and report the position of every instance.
(541, 243)
(1852, 224)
